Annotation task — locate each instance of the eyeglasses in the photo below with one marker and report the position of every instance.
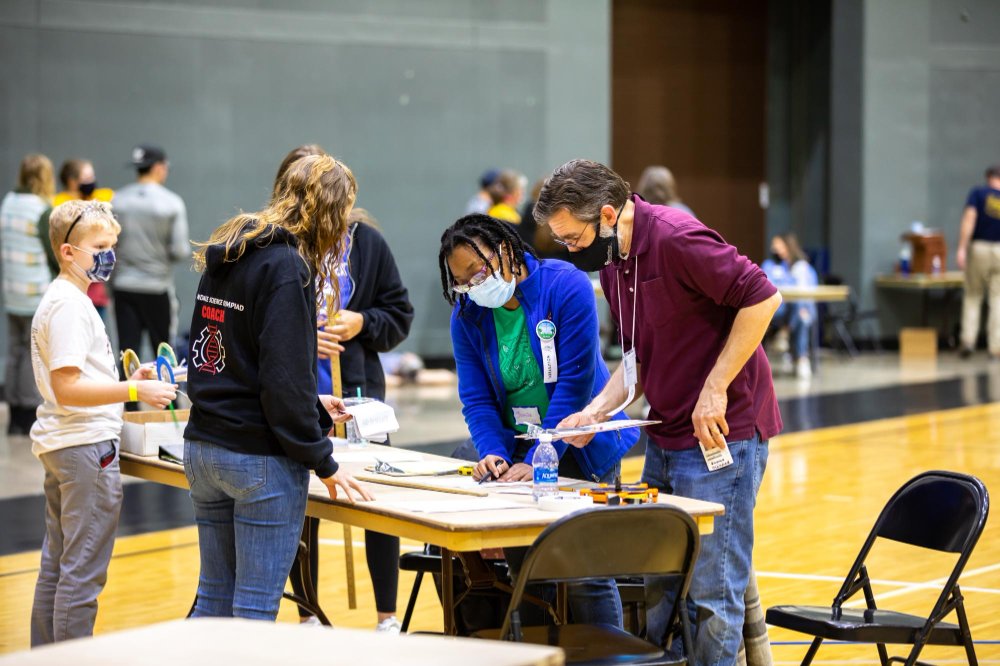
(569, 242)
(477, 279)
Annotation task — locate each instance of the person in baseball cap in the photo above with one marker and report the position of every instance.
(144, 156)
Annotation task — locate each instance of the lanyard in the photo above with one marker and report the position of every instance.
(631, 375)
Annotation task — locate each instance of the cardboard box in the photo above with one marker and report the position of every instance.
(918, 343)
(144, 432)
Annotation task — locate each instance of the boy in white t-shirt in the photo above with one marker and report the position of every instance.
(76, 433)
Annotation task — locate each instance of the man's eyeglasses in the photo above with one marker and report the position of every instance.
(477, 279)
(569, 242)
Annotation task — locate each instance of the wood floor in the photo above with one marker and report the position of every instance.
(821, 494)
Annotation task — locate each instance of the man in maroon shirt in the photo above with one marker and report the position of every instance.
(694, 310)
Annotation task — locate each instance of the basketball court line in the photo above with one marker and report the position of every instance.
(906, 586)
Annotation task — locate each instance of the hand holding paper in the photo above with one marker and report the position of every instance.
(575, 421)
(584, 431)
(335, 407)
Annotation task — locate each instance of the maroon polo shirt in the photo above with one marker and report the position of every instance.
(691, 284)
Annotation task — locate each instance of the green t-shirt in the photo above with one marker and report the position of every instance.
(522, 378)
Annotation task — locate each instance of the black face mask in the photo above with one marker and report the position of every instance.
(601, 252)
(776, 258)
(86, 189)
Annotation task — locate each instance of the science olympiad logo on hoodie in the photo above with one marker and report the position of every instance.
(207, 353)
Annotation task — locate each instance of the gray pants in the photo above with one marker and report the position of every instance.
(83, 500)
(19, 386)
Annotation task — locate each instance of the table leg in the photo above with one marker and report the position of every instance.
(447, 592)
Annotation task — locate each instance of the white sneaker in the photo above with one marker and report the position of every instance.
(389, 625)
(786, 367)
(311, 621)
(781, 341)
(803, 369)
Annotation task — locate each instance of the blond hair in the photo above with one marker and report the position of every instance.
(36, 176)
(311, 202)
(88, 216)
(657, 186)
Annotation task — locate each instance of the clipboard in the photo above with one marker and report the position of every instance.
(594, 428)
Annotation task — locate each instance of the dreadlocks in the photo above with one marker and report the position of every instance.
(476, 232)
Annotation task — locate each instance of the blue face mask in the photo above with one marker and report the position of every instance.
(493, 292)
(104, 264)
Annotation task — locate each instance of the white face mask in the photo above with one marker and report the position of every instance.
(493, 292)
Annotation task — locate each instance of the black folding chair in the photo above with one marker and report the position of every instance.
(941, 511)
(651, 539)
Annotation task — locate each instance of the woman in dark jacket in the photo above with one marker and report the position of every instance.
(374, 316)
(257, 426)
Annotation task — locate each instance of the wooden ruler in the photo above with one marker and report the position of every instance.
(408, 483)
(340, 430)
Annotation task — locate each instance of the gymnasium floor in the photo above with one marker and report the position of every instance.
(854, 433)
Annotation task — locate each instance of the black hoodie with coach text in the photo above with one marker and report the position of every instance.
(252, 374)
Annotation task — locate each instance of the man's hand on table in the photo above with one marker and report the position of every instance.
(518, 472)
(490, 465)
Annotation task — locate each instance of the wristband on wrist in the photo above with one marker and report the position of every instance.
(133, 391)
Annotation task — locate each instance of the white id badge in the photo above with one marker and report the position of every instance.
(630, 378)
(527, 416)
(716, 458)
(631, 368)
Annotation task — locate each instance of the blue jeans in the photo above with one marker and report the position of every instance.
(590, 602)
(249, 511)
(722, 571)
(800, 329)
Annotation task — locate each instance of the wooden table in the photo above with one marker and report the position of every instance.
(823, 293)
(465, 531)
(950, 282)
(252, 643)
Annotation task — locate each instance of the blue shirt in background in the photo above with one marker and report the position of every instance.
(986, 201)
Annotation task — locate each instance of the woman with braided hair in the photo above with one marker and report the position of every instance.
(524, 332)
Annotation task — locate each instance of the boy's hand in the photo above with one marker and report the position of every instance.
(156, 393)
(144, 373)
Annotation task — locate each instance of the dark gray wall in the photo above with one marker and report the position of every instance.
(417, 97)
(915, 93)
(798, 121)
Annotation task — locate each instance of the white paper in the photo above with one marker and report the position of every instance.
(370, 454)
(457, 505)
(373, 418)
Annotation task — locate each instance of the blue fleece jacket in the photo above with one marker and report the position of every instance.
(557, 291)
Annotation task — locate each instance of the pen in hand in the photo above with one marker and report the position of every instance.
(489, 475)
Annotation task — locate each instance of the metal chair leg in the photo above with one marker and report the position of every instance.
(811, 653)
(412, 603)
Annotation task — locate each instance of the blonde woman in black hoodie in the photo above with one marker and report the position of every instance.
(257, 426)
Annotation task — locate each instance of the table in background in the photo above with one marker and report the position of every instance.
(452, 532)
(822, 293)
(255, 643)
(950, 282)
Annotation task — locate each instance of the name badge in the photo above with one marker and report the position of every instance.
(527, 416)
(546, 332)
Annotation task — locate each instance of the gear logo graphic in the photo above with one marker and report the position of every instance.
(207, 353)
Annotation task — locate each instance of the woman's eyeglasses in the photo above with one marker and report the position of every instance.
(477, 279)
